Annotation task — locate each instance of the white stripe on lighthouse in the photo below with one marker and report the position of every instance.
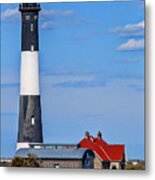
(29, 79)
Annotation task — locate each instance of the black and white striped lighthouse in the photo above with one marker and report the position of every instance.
(30, 126)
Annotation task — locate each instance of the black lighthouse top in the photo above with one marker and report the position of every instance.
(29, 15)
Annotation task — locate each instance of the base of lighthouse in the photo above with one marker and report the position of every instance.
(30, 127)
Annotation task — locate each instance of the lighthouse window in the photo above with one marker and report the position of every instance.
(27, 17)
(35, 17)
(33, 120)
(31, 27)
(32, 47)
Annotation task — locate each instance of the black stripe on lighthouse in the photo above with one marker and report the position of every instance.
(29, 13)
(30, 125)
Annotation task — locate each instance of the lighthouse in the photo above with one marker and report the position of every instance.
(30, 125)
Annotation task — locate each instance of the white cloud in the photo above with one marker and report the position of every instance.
(10, 14)
(66, 76)
(139, 25)
(49, 18)
(73, 78)
(132, 44)
(49, 25)
(130, 29)
(68, 13)
(48, 14)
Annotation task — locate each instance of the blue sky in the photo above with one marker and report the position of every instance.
(91, 73)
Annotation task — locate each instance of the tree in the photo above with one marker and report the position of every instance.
(30, 161)
(18, 162)
(138, 166)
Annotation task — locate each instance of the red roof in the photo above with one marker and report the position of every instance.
(105, 151)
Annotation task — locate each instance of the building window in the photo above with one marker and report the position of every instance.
(106, 165)
(56, 166)
(31, 27)
(32, 120)
(114, 167)
(37, 147)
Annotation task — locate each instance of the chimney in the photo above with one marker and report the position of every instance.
(99, 135)
(86, 135)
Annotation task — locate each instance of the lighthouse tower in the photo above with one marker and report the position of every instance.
(30, 126)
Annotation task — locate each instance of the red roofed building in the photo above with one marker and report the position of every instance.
(108, 156)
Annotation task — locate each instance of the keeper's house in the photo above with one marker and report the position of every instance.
(59, 156)
(107, 156)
